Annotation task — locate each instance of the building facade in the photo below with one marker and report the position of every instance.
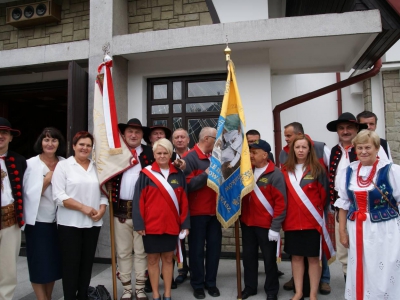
(169, 67)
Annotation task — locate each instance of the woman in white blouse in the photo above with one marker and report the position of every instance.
(81, 207)
(369, 195)
(43, 252)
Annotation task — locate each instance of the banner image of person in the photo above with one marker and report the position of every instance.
(111, 154)
(230, 174)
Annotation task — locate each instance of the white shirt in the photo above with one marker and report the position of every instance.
(382, 154)
(344, 162)
(71, 180)
(129, 178)
(165, 173)
(299, 171)
(258, 172)
(38, 207)
(6, 191)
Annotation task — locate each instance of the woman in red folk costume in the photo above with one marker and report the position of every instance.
(369, 195)
(304, 226)
(160, 214)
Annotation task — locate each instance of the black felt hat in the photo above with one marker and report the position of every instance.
(134, 123)
(345, 117)
(6, 125)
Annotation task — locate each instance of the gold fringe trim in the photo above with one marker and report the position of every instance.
(278, 260)
(331, 260)
(115, 151)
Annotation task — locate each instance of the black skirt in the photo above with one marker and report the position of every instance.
(302, 242)
(159, 243)
(43, 252)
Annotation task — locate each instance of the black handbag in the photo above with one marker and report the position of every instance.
(98, 293)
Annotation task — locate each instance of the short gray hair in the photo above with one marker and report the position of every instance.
(205, 132)
(180, 129)
(165, 144)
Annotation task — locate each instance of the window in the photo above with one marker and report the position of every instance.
(191, 102)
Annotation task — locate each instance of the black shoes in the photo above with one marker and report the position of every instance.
(280, 273)
(213, 291)
(272, 297)
(180, 278)
(147, 286)
(246, 294)
(199, 294)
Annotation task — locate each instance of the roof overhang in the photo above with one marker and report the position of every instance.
(306, 44)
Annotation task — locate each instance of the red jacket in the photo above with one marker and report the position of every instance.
(316, 190)
(202, 199)
(272, 185)
(152, 212)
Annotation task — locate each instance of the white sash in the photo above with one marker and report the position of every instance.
(308, 204)
(270, 210)
(170, 190)
(263, 200)
(167, 186)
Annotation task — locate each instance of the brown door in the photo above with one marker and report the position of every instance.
(77, 110)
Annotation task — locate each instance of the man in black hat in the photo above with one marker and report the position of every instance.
(126, 239)
(12, 169)
(263, 211)
(157, 132)
(346, 127)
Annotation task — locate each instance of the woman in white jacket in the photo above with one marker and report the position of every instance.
(42, 245)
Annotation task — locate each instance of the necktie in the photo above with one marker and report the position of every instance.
(135, 159)
(346, 150)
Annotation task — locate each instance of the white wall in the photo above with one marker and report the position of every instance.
(316, 113)
(393, 54)
(253, 76)
(241, 10)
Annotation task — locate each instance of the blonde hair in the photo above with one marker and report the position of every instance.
(364, 136)
(165, 144)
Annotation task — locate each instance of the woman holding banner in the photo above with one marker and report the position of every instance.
(160, 214)
(307, 186)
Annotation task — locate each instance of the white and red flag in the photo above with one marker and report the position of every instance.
(111, 154)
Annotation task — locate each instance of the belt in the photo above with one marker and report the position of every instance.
(123, 209)
(8, 216)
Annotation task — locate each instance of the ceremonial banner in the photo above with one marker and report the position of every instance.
(231, 175)
(111, 154)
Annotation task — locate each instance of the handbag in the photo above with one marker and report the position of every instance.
(98, 293)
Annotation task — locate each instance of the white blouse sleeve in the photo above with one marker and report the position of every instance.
(59, 183)
(343, 201)
(103, 199)
(394, 178)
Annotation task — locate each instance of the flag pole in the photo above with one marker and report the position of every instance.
(112, 235)
(227, 52)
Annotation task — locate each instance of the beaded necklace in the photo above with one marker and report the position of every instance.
(366, 182)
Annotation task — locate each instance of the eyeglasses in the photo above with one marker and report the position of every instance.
(211, 136)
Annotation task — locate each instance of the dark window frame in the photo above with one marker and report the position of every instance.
(185, 99)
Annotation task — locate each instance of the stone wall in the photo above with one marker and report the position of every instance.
(150, 15)
(367, 94)
(74, 26)
(391, 90)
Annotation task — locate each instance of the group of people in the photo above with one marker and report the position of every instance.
(162, 197)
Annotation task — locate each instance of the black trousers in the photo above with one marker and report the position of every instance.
(205, 231)
(252, 238)
(78, 247)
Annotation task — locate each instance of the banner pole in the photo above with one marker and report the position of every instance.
(112, 235)
(238, 269)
